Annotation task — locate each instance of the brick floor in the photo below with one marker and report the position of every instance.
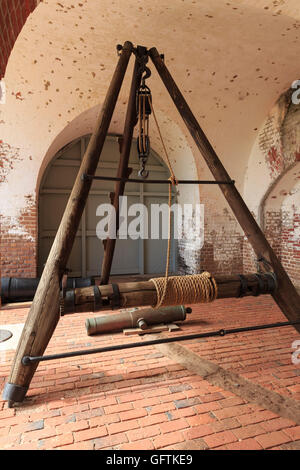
(140, 399)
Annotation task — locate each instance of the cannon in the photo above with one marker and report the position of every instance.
(21, 289)
(136, 318)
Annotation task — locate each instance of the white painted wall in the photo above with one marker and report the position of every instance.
(231, 59)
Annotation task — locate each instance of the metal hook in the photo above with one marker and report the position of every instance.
(147, 74)
(143, 173)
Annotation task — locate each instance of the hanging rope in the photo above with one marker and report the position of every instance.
(162, 295)
(193, 289)
(172, 177)
(178, 290)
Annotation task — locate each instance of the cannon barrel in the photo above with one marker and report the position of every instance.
(21, 289)
(143, 294)
(137, 318)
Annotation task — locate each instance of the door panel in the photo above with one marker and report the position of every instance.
(131, 256)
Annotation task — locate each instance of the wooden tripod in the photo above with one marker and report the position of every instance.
(44, 313)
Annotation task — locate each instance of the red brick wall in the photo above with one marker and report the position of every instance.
(249, 258)
(279, 142)
(222, 251)
(282, 239)
(13, 14)
(18, 256)
(273, 230)
(223, 254)
(290, 250)
(18, 237)
(18, 253)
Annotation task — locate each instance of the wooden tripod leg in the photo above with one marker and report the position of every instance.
(286, 295)
(44, 313)
(130, 122)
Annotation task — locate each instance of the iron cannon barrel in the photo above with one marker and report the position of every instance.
(20, 289)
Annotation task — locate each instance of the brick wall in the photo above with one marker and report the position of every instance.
(18, 255)
(249, 258)
(222, 250)
(282, 213)
(273, 229)
(281, 230)
(290, 248)
(279, 144)
(13, 14)
(18, 251)
(222, 254)
(18, 232)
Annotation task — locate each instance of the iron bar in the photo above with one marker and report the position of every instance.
(136, 180)
(27, 360)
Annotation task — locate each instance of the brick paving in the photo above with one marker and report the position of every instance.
(140, 399)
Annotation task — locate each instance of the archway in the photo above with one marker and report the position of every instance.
(131, 256)
(275, 167)
(282, 220)
(280, 212)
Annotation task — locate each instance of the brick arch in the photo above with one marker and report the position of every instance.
(13, 15)
(282, 220)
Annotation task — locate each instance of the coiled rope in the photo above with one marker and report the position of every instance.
(193, 289)
(178, 290)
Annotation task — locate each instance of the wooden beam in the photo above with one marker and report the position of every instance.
(123, 170)
(44, 313)
(286, 295)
